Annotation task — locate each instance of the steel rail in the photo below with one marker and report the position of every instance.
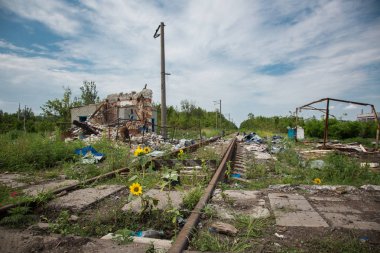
(4, 209)
(183, 238)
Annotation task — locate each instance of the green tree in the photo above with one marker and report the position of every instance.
(89, 93)
(60, 108)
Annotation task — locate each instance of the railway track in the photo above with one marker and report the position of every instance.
(184, 234)
(260, 217)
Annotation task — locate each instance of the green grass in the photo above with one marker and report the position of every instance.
(25, 152)
(248, 228)
(18, 217)
(191, 199)
(206, 241)
(346, 244)
(289, 168)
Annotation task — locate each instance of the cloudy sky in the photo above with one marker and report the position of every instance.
(263, 57)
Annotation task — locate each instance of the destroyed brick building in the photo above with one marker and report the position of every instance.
(133, 110)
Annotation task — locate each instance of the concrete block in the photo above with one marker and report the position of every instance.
(223, 228)
(12, 180)
(34, 190)
(163, 197)
(289, 202)
(159, 244)
(332, 199)
(300, 219)
(80, 199)
(334, 207)
(236, 195)
(294, 210)
(351, 221)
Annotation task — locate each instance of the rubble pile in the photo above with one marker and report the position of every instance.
(262, 148)
(125, 117)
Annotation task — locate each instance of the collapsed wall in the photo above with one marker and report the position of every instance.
(131, 109)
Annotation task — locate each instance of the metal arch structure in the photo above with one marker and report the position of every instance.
(327, 114)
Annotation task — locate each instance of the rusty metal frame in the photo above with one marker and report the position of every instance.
(327, 114)
(182, 240)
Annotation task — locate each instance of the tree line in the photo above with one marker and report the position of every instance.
(190, 116)
(338, 129)
(56, 112)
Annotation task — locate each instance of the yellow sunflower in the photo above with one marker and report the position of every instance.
(138, 151)
(181, 151)
(135, 189)
(317, 181)
(147, 150)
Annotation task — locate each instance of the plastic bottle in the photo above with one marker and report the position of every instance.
(150, 234)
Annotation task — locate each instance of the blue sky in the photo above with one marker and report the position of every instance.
(263, 57)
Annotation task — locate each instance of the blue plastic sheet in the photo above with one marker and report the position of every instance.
(85, 150)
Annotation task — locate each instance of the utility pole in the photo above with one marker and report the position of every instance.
(25, 119)
(19, 110)
(216, 113)
(163, 88)
(220, 110)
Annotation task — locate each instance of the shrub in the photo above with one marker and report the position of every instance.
(33, 151)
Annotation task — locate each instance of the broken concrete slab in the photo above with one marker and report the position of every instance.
(294, 210)
(370, 187)
(165, 198)
(258, 212)
(334, 207)
(236, 195)
(300, 219)
(289, 202)
(223, 213)
(12, 180)
(351, 221)
(320, 198)
(314, 188)
(81, 199)
(158, 244)
(34, 190)
(262, 155)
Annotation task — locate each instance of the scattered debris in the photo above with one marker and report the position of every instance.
(150, 234)
(89, 155)
(317, 164)
(223, 228)
(73, 218)
(370, 165)
(252, 137)
(165, 198)
(279, 236)
(369, 187)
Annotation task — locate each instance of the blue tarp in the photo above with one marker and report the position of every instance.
(85, 150)
(89, 155)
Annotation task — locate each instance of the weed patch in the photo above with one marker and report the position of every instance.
(191, 198)
(18, 217)
(34, 152)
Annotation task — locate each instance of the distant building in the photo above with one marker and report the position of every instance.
(364, 117)
(131, 109)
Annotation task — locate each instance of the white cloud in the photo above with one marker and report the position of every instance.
(59, 16)
(213, 51)
(351, 107)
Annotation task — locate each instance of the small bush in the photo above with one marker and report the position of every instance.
(342, 169)
(191, 198)
(18, 217)
(22, 152)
